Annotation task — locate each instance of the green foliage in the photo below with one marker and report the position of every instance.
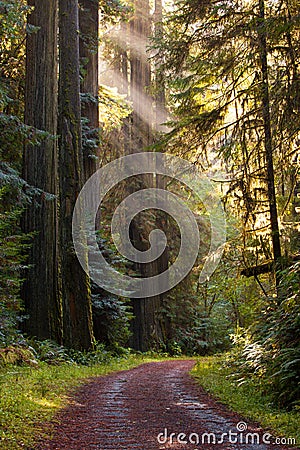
(12, 262)
(247, 399)
(31, 396)
(203, 316)
(13, 135)
(210, 56)
(14, 194)
(115, 10)
(195, 328)
(270, 354)
(91, 138)
(278, 331)
(12, 52)
(17, 355)
(49, 352)
(113, 107)
(111, 316)
(98, 355)
(34, 353)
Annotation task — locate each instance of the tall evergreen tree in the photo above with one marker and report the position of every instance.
(89, 58)
(268, 142)
(40, 291)
(77, 313)
(231, 69)
(146, 324)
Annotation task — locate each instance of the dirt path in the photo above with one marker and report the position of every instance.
(140, 408)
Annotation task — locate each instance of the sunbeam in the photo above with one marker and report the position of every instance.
(143, 104)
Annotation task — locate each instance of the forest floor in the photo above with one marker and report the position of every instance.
(154, 406)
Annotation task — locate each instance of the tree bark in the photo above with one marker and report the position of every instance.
(146, 325)
(268, 267)
(89, 55)
(161, 117)
(77, 311)
(40, 290)
(268, 139)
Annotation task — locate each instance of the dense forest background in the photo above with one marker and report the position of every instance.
(215, 82)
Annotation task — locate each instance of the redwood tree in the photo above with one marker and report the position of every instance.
(77, 315)
(40, 290)
(146, 324)
(89, 56)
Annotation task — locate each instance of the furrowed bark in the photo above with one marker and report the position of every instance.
(89, 55)
(40, 291)
(77, 312)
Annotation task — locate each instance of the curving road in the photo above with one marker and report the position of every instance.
(155, 406)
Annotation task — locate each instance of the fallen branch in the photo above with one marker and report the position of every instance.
(267, 267)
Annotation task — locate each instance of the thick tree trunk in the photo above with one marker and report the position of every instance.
(146, 325)
(140, 77)
(160, 98)
(40, 290)
(77, 312)
(161, 117)
(268, 139)
(89, 55)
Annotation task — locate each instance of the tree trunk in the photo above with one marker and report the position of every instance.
(40, 290)
(146, 325)
(77, 311)
(89, 55)
(268, 139)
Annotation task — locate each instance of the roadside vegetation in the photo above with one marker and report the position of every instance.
(246, 397)
(33, 392)
(37, 385)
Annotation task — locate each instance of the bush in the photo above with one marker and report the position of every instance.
(271, 353)
(111, 318)
(17, 355)
(98, 355)
(12, 249)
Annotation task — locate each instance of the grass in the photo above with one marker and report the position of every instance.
(245, 399)
(31, 396)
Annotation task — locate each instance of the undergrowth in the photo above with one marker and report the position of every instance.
(32, 394)
(246, 398)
